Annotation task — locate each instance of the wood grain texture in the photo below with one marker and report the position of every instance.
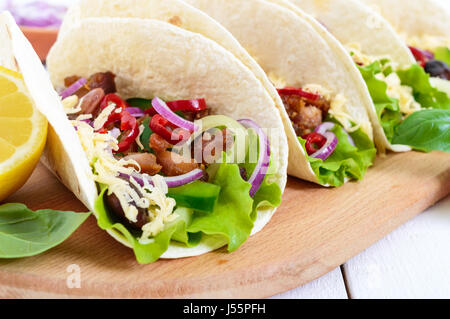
(313, 232)
(329, 286)
(412, 262)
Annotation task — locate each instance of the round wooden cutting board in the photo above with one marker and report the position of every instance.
(314, 231)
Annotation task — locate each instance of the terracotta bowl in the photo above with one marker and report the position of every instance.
(42, 39)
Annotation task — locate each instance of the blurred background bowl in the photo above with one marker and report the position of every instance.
(42, 39)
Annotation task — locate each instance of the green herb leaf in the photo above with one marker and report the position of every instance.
(25, 233)
(427, 130)
(143, 104)
(145, 136)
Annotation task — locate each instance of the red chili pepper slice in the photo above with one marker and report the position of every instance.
(188, 105)
(195, 105)
(298, 92)
(114, 116)
(419, 55)
(127, 122)
(160, 125)
(113, 98)
(314, 139)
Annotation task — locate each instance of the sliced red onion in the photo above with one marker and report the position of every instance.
(328, 148)
(161, 107)
(71, 90)
(324, 127)
(328, 126)
(135, 111)
(264, 157)
(171, 182)
(36, 13)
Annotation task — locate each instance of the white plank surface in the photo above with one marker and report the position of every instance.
(330, 286)
(412, 262)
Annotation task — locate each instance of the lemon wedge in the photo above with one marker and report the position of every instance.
(23, 133)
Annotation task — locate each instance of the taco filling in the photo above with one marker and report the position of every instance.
(169, 172)
(410, 107)
(338, 149)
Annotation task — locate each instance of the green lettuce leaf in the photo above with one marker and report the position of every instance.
(232, 215)
(442, 54)
(347, 161)
(388, 109)
(426, 130)
(424, 93)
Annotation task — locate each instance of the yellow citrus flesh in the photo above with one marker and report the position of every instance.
(23, 132)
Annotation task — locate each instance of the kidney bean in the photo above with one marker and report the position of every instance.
(115, 207)
(90, 103)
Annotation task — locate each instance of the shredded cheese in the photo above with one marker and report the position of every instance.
(106, 170)
(71, 105)
(138, 138)
(103, 116)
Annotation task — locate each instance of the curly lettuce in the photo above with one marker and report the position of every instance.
(388, 109)
(347, 161)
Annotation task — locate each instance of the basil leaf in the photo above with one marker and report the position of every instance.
(25, 233)
(427, 130)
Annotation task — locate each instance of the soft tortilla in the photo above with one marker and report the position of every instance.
(153, 58)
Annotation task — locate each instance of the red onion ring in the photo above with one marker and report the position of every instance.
(328, 126)
(328, 148)
(71, 90)
(161, 107)
(171, 182)
(264, 157)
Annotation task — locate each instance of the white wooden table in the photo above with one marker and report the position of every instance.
(412, 262)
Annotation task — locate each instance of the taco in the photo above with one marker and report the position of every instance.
(317, 78)
(130, 120)
(424, 26)
(412, 99)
